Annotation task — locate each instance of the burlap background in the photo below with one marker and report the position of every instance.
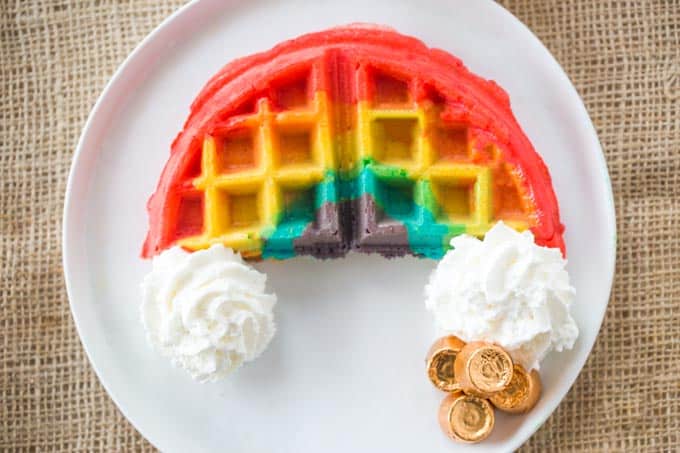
(624, 58)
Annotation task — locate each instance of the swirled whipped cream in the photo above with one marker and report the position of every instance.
(506, 290)
(207, 310)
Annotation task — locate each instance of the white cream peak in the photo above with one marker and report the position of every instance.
(207, 311)
(507, 290)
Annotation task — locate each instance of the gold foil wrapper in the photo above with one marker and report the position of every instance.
(522, 394)
(440, 362)
(483, 369)
(466, 418)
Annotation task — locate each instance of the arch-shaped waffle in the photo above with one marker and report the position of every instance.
(352, 138)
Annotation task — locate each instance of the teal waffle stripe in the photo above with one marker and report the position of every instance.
(410, 202)
(297, 217)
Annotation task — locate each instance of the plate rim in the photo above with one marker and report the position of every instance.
(194, 6)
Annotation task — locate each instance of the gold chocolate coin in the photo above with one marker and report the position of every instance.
(440, 362)
(466, 418)
(483, 369)
(522, 394)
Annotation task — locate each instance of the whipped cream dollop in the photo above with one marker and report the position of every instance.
(207, 310)
(506, 290)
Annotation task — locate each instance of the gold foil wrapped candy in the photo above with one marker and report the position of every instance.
(522, 394)
(483, 369)
(476, 375)
(466, 418)
(440, 362)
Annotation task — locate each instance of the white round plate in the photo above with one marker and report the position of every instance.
(346, 369)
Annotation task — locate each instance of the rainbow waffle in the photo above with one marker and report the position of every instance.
(356, 138)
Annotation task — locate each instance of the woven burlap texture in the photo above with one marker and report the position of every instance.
(623, 57)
